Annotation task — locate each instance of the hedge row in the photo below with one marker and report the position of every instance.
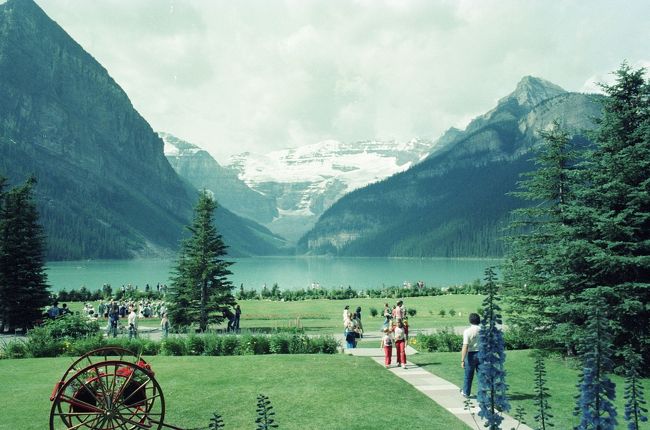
(207, 344)
(446, 340)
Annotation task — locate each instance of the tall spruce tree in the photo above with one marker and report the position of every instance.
(599, 237)
(612, 218)
(535, 272)
(635, 410)
(543, 416)
(23, 288)
(492, 397)
(597, 392)
(200, 291)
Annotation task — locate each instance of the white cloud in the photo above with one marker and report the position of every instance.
(258, 75)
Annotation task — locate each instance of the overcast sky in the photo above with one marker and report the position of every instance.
(245, 75)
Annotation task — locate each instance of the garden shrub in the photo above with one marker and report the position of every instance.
(515, 338)
(325, 345)
(71, 327)
(425, 342)
(373, 312)
(279, 344)
(212, 345)
(82, 346)
(174, 346)
(41, 344)
(140, 346)
(442, 341)
(449, 341)
(262, 345)
(411, 312)
(230, 344)
(299, 344)
(195, 345)
(14, 349)
(246, 345)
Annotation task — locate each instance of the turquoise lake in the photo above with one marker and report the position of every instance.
(287, 272)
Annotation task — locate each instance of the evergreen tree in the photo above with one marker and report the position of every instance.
(23, 288)
(635, 410)
(599, 235)
(536, 271)
(216, 422)
(612, 220)
(491, 395)
(200, 291)
(265, 414)
(595, 401)
(543, 416)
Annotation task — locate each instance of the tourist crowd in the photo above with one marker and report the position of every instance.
(394, 328)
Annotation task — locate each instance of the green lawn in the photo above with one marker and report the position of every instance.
(326, 316)
(561, 376)
(307, 392)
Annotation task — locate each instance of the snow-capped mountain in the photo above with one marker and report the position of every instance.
(307, 180)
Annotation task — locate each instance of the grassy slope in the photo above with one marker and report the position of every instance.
(307, 392)
(562, 378)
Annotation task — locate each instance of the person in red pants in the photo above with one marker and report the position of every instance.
(387, 344)
(400, 343)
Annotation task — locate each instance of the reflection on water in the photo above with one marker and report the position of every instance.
(287, 272)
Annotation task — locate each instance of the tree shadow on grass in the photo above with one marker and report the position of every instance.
(520, 396)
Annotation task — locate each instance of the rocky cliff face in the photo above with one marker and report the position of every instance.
(306, 181)
(455, 202)
(105, 188)
(204, 172)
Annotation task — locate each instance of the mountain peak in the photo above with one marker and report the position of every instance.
(531, 91)
(23, 8)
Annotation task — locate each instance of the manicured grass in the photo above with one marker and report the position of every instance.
(562, 377)
(307, 392)
(325, 316)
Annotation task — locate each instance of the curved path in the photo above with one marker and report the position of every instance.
(439, 390)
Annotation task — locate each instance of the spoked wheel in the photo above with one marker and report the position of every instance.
(109, 395)
(99, 355)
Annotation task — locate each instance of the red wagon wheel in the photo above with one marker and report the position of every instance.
(98, 355)
(108, 395)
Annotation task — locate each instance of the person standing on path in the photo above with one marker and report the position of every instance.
(133, 323)
(387, 344)
(387, 316)
(400, 343)
(164, 325)
(469, 353)
(237, 317)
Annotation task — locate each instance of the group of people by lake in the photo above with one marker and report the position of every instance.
(133, 310)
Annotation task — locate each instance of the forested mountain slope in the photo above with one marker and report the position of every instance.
(454, 203)
(105, 188)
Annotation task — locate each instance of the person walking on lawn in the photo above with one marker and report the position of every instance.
(469, 353)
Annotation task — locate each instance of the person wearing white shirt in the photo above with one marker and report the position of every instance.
(133, 323)
(469, 353)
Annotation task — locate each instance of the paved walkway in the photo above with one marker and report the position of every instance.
(439, 390)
